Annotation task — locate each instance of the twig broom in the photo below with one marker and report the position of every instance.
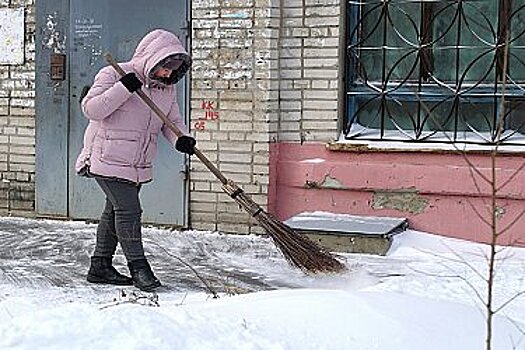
(297, 249)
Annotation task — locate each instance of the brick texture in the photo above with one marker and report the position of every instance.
(235, 105)
(309, 74)
(264, 71)
(17, 123)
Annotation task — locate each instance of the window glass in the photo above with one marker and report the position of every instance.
(433, 70)
(517, 42)
(398, 49)
(472, 47)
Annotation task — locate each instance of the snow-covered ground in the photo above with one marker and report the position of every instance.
(423, 295)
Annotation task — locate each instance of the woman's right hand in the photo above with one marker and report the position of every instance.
(131, 82)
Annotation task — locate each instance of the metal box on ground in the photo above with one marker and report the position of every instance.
(349, 233)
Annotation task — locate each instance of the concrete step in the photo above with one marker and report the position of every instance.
(349, 233)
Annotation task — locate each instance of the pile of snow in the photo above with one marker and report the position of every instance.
(284, 319)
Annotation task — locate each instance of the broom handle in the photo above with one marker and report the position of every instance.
(168, 122)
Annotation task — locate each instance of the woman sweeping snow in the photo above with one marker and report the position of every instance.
(120, 143)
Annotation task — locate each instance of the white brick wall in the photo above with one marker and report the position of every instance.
(17, 123)
(309, 74)
(271, 69)
(235, 51)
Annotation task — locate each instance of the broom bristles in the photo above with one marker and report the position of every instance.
(297, 249)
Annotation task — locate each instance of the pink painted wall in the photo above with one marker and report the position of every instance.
(435, 191)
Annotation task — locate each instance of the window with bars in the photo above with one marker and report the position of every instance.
(436, 71)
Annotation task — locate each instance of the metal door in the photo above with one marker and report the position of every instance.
(116, 26)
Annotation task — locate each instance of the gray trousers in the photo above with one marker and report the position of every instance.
(120, 221)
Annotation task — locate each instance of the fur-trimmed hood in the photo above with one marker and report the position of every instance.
(155, 47)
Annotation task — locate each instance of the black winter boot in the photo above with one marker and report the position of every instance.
(142, 276)
(102, 271)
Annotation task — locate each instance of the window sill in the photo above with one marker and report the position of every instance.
(407, 147)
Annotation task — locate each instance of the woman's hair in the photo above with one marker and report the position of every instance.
(179, 64)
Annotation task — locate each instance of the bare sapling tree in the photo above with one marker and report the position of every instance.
(495, 188)
(489, 184)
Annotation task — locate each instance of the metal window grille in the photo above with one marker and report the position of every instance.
(436, 71)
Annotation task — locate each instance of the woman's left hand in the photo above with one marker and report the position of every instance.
(186, 144)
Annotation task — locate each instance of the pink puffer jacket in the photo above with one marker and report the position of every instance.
(121, 137)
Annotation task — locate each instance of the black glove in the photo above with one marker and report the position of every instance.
(185, 144)
(131, 82)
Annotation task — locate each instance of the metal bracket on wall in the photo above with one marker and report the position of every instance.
(57, 69)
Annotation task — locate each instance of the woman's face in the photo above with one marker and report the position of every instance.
(163, 72)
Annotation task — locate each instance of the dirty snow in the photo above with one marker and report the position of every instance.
(422, 295)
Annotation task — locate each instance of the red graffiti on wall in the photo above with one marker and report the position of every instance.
(209, 114)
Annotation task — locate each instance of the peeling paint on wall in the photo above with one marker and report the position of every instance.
(53, 38)
(87, 35)
(237, 14)
(408, 200)
(328, 182)
(12, 36)
(500, 211)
